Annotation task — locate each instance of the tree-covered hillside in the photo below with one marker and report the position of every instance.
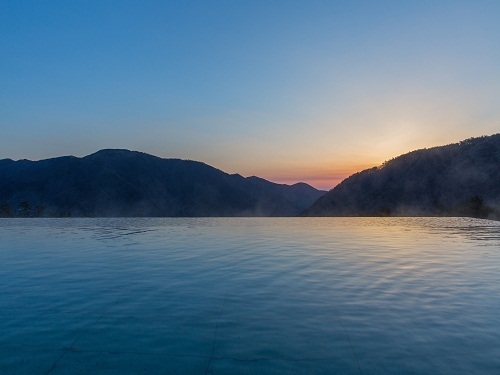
(129, 183)
(460, 179)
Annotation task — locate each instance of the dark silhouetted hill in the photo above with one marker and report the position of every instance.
(461, 179)
(130, 183)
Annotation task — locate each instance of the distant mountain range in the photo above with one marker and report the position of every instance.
(461, 179)
(129, 183)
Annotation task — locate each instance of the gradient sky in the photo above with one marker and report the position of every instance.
(286, 90)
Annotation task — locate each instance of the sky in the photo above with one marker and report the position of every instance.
(287, 90)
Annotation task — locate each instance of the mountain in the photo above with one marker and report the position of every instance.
(130, 183)
(461, 179)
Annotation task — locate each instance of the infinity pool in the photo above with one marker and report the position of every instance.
(250, 296)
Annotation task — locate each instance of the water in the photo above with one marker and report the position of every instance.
(250, 296)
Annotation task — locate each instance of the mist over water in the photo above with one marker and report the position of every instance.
(250, 295)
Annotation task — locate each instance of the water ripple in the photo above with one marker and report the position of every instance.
(247, 295)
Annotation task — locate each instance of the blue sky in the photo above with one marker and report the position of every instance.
(287, 90)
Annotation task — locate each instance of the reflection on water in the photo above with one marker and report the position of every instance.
(250, 295)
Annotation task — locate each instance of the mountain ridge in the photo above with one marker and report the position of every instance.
(459, 179)
(120, 182)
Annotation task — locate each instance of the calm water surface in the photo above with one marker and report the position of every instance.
(256, 296)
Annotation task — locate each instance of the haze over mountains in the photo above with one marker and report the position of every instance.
(461, 179)
(130, 183)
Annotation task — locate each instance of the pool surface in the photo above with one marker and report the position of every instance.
(250, 296)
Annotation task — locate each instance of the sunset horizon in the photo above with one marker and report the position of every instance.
(320, 178)
(290, 92)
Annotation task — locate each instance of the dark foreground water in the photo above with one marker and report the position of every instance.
(255, 296)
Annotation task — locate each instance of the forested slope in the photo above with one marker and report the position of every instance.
(130, 183)
(460, 179)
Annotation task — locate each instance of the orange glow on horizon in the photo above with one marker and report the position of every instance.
(323, 179)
